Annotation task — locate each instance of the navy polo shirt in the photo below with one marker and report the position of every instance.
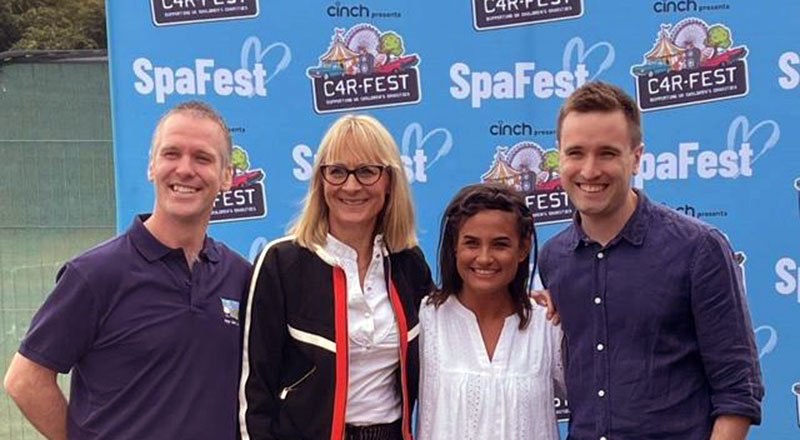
(153, 346)
(659, 339)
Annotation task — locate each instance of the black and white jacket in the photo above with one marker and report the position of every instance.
(295, 353)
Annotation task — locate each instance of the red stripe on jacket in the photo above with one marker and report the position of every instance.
(340, 334)
(402, 328)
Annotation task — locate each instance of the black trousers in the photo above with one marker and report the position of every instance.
(384, 431)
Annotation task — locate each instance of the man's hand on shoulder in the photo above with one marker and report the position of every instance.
(542, 297)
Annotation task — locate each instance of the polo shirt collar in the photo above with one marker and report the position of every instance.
(152, 249)
(634, 231)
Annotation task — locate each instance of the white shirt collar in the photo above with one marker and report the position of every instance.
(342, 252)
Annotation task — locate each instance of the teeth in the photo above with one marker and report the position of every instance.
(484, 271)
(353, 202)
(183, 189)
(592, 188)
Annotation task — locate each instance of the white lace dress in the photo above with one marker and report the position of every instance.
(465, 396)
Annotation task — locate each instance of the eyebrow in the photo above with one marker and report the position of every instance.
(496, 238)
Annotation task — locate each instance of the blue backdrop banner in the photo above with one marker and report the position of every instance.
(470, 91)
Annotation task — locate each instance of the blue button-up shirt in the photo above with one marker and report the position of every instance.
(659, 339)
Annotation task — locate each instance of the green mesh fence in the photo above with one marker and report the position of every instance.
(56, 191)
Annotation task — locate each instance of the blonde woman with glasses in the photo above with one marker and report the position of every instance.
(330, 323)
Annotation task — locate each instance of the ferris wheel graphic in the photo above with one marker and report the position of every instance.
(527, 156)
(689, 32)
(363, 37)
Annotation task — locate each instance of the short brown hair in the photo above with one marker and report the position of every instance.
(598, 96)
(197, 109)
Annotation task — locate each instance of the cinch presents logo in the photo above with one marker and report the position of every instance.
(363, 68)
(491, 14)
(246, 199)
(691, 62)
(534, 172)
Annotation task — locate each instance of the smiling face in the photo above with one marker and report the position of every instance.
(596, 162)
(488, 252)
(188, 169)
(353, 206)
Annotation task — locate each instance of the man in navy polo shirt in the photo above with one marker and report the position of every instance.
(147, 321)
(659, 340)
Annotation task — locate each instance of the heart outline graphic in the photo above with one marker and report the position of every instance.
(577, 42)
(415, 128)
(742, 122)
(252, 45)
(771, 342)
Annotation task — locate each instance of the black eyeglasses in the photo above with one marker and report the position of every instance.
(365, 174)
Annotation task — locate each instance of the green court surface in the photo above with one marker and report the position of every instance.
(56, 190)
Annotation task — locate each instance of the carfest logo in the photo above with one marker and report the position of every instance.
(492, 14)
(531, 170)
(246, 199)
(364, 68)
(690, 63)
(167, 12)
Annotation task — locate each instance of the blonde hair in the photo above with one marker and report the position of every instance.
(368, 140)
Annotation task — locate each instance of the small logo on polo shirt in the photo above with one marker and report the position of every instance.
(230, 311)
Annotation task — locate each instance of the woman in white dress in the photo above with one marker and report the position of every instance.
(489, 355)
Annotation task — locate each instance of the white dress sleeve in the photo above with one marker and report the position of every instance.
(428, 360)
(558, 361)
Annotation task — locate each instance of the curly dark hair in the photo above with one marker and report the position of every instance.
(469, 201)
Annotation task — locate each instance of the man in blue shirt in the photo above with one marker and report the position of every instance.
(148, 321)
(659, 340)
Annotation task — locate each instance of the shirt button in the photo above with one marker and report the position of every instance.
(601, 393)
(600, 347)
(598, 300)
(603, 438)
(366, 315)
(600, 255)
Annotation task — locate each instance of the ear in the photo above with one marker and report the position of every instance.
(150, 171)
(637, 157)
(227, 177)
(524, 249)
